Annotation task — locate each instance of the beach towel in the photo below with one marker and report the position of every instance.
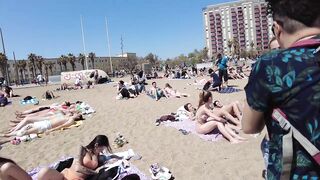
(127, 171)
(29, 101)
(77, 124)
(85, 108)
(190, 126)
(229, 90)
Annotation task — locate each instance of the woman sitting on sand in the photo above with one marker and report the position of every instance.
(156, 93)
(172, 92)
(44, 125)
(85, 164)
(208, 119)
(48, 95)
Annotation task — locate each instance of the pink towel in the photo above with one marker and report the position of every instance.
(190, 126)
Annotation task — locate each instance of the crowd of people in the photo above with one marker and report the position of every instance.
(282, 94)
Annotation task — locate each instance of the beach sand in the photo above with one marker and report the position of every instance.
(187, 156)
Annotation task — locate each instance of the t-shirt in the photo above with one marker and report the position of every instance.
(222, 63)
(290, 80)
(215, 78)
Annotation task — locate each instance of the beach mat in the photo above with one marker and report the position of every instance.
(31, 101)
(131, 170)
(229, 90)
(190, 127)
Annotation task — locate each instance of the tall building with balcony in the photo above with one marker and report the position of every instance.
(244, 21)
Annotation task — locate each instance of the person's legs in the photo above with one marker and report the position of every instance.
(224, 112)
(221, 75)
(11, 171)
(226, 133)
(225, 76)
(206, 127)
(49, 174)
(232, 133)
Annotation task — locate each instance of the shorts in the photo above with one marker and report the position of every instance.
(42, 126)
(223, 74)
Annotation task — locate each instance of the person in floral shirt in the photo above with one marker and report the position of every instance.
(288, 79)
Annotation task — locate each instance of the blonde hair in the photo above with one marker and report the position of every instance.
(204, 97)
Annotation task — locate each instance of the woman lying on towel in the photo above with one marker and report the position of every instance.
(233, 108)
(172, 92)
(85, 164)
(44, 125)
(46, 110)
(208, 119)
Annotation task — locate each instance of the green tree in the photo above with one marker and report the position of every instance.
(22, 68)
(151, 59)
(81, 60)
(39, 63)
(72, 61)
(32, 58)
(91, 57)
(3, 64)
(64, 60)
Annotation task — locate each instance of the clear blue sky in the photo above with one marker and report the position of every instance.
(50, 28)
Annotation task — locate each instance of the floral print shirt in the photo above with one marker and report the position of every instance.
(290, 80)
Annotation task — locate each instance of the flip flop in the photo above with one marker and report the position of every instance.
(184, 132)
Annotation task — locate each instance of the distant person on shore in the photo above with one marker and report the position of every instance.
(172, 92)
(156, 93)
(222, 64)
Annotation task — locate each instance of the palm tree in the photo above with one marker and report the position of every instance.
(46, 67)
(32, 58)
(59, 62)
(91, 57)
(39, 62)
(22, 67)
(50, 66)
(236, 47)
(72, 61)
(31, 68)
(3, 63)
(63, 61)
(81, 59)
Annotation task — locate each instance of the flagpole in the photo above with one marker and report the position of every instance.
(108, 40)
(83, 43)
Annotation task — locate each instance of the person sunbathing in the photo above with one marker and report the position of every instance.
(45, 111)
(208, 119)
(44, 125)
(156, 92)
(233, 108)
(186, 112)
(85, 164)
(172, 92)
(8, 92)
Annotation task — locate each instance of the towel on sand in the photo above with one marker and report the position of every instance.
(29, 101)
(229, 90)
(190, 126)
(130, 170)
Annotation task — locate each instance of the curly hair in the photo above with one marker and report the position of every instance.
(295, 14)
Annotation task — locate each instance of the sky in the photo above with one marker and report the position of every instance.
(51, 28)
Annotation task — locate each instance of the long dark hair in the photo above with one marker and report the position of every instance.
(100, 140)
(5, 160)
(186, 107)
(204, 97)
(167, 85)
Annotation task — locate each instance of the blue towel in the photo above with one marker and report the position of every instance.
(31, 101)
(229, 90)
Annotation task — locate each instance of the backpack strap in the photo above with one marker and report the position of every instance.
(287, 150)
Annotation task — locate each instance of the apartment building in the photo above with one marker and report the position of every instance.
(245, 21)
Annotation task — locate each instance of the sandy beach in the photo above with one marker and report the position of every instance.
(187, 156)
